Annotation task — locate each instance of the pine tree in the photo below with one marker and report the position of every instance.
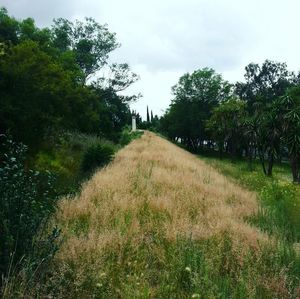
(151, 116)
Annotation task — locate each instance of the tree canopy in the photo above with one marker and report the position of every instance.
(44, 80)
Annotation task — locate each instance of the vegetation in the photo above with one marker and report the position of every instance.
(138, 229)
(27, 199)
(279, 198)
(61, 124)
(255, 119)
(44, 81)
(157, 222)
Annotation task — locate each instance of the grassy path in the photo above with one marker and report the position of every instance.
(160, 223)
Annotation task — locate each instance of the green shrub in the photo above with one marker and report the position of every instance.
(26, 201)
(96, 156)
(127, 136)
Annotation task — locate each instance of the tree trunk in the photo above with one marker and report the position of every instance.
(262, 160)
(270, 162)
(295, 168)
(221, 150)
(250, 157)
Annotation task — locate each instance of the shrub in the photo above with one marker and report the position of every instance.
(26, 201)
(127, 136)
(96, 156)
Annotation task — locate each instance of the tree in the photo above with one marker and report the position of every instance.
(90, 42)
(226, 124)
(289, 106)
(148, 117)
(33, 92)
(264, 83)
(8, 28)
(195, 95)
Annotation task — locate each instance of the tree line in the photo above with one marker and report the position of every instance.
(258, 118)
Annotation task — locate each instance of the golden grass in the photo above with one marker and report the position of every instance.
(152, 182)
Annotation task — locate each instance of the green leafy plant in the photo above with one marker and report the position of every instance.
(96, 156)
(26, 201)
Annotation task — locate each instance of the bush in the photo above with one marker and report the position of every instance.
(26, 201)
(97, 155)
(127, 136)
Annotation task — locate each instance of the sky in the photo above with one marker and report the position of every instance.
(163, 39)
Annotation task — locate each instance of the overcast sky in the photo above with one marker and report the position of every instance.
(163, 39)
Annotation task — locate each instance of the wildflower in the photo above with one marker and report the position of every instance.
(99, 285)
(196, 295)
(188, 269)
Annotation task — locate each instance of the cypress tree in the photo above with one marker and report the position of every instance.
(148, 118)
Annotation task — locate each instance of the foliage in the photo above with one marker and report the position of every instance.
(27, 199)
(289, 109)
(89, 41)
(226, 124)
(127, 136)
(43, 76)
(260, 120)
(33, 93)
(264, 83)
(195, 95)
(96, 156)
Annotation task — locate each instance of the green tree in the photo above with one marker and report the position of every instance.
(226, 124)
(289, 106)
(33, 92)
(148, 116)
(264, 83)
(195, 95)
(90, 42)
(8, 28)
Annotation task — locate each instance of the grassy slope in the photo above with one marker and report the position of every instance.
(160, 223)
(279, 197)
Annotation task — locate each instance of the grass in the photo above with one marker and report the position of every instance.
(160, 223)
(279, 212)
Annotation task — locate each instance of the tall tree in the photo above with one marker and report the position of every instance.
(226, 125)
(195, 95)
(264, 83)
(34, 93)
(90, 42)
(148, 117)
(289, 107)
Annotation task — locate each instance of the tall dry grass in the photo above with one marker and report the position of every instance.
(195, 199)
(153, 193)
